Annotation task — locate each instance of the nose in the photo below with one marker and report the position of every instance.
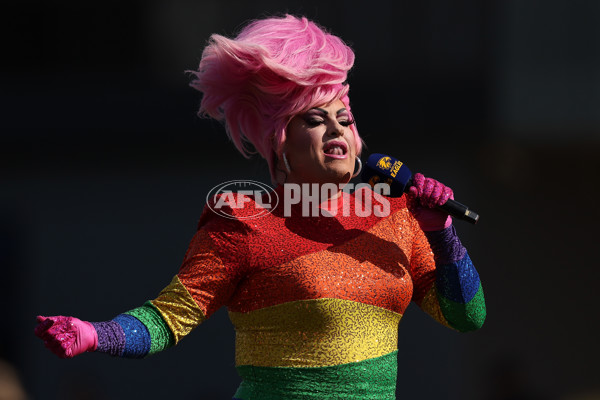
(336, 129)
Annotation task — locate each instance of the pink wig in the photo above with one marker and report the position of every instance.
(273, 70)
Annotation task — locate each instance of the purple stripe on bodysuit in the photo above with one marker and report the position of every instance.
(446, 246)
(111, 338)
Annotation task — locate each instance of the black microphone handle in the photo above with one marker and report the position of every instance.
(454, 208)
(460, 211)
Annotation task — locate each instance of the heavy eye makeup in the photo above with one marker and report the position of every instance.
(316, 117)
(344, 119)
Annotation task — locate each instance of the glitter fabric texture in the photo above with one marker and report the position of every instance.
(314, 333)
(161, 336)
(459, 274)
(464, 317)
(134, 334)
(458, 290)
(111, 338)
(178, 308)
(370, 379)
(316, 301)
(137, 337)
(446, 246)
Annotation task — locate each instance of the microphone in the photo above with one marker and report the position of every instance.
(380, 168)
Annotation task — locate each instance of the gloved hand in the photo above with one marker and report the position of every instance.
(66, 336)
(423, 198)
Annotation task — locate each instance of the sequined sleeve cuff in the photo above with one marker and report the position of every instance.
(111, 338)
(446, 246)
(134, 334)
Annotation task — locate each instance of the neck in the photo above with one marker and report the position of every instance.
(326, 191)
(326, 196)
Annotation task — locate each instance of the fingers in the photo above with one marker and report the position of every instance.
(413, 192)
(430, 192)
(46, 326)
(418, 181)
(57, 333)
(60, 326)
(44, 323)
(435, 197)
(59, 345)
(447, 194)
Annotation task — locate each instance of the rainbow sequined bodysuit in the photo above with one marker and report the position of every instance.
(315, 301)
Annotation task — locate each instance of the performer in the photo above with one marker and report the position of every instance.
(315, 300)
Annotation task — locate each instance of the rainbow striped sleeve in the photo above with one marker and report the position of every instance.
(203, 284)
(451, 292)
(134, 334)
(155, 326)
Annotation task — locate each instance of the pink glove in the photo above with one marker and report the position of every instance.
(66, 336)
(423, 197)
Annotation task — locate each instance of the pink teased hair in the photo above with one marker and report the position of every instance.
(274, 69)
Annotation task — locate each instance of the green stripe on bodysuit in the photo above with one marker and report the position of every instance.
(370, 379)
(160, 334)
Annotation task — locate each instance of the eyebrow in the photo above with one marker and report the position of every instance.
(341, 110)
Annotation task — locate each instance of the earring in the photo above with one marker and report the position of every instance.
(359, 167)
(287, 164)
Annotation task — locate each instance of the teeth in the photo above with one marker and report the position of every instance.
(336, 150)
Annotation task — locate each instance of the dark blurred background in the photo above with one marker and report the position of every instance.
(104, 169)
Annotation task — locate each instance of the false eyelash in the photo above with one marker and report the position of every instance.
(314, 122)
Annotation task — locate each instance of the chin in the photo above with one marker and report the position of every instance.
(339, 169)
(340, 176)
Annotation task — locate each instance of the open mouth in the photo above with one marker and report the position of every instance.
(336, 148)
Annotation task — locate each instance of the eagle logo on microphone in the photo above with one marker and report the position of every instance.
(384, 163)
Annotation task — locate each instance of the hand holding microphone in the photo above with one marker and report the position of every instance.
(425, 198)
(431, 194)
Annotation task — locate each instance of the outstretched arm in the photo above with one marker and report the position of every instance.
(137, 333)
(207, 278)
